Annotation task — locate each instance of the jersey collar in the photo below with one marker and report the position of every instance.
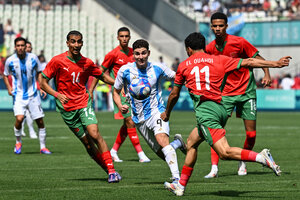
(73, 60)
(222, 48)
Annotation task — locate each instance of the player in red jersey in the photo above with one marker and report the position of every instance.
(71, 71)
(239, 87)
(113, 61)
(203, 74)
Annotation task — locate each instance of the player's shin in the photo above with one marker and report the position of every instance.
(122, 134)
(250, 140)
(106, 157)
(132, 134)
(42, 137)
(171, 159)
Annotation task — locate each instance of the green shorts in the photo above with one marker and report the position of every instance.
(211, 119)
(77, 120)
(245, 107)
(117, 112)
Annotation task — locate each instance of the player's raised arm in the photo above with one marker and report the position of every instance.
(172, 100)
(257, 63)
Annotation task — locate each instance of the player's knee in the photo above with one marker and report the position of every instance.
(251, 134)
(224, 155)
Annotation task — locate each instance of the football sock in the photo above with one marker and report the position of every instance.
(98, 159)
(250, 140)
(214, 157)
(106, 157)
(42, 137)
(176, 144)
(132, 134)
(18, 134)
(171, 159)
(185, 175)
(248, 155)
(23, 125)
(120, 138)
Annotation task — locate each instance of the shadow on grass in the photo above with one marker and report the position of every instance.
(89, 179)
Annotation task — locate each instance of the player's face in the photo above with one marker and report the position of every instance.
(219, 27)
(75, 43)
(124, 37)
(141, 57)
(28, 48)
(20, 48)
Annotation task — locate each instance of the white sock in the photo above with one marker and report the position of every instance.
(42, 137)
(112, 151)
(29, 122)
(214, 168)
(260, 159)
(171, 159)
(18, 133)
(142, 155)
(23, 125)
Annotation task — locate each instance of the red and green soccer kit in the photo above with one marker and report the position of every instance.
(239, 85)
(70, 80)
(203, 74)
(113, 61)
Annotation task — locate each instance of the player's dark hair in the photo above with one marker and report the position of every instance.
(20, 39)
(140, 44)
(123, 29)
(73, 33)
(219, 15)
(27, 42)
(195, 41)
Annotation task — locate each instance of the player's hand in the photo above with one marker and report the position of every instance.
(164, 116)
(43, 93)
(266, 81)
(124, 109)
(284, 61)
(62, 98)
(10, 92)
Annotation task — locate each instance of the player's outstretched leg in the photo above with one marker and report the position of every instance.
(249, 144)
(122, 134)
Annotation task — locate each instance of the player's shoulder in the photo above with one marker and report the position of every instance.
(127, 66)
(114, 51)
(11, 57)
(234, 38)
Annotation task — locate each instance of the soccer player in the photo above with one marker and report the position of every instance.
(203, 74)
(239, 90)
(24, 68)
(146, 113)
(113, 61)
(27, 118)
(71, 71)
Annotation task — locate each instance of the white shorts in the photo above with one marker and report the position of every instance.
(33, 104)
(152, 126)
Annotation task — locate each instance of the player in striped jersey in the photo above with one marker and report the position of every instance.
(146, 113)
(24, 68)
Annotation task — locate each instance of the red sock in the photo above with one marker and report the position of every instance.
(120, 138)
(100, 161)
(106, 157)
(214, 157)
(134, 139)
(248, 155)
(185, 175)
(250, 140)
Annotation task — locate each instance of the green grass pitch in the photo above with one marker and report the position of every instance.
(69, 173)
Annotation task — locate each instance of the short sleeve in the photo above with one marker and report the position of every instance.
(179, 78)
(119, 82)
(249, 49)
(6, 67)
(94, 69)
(50, 69)
(229, 63)
(108, 61)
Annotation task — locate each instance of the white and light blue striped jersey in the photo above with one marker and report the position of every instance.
(24, 74)
(143, 109)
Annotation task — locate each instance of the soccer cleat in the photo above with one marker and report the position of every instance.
(270, 162)
(174, 187)
(212, 174)
(115, 157)
(114, 177)
(33, 135)
(242, 169)
(183, 148)
(45, 151)
(144, 159)
(18, 148)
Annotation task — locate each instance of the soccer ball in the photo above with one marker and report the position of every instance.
(140, 88)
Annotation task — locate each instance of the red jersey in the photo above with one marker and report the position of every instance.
(115, 59)
(71, 77)
(203, 74)
(240, 81)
